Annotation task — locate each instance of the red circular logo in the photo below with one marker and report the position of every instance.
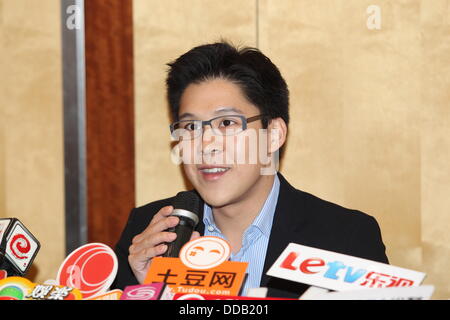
(90, 268)
(19, 246)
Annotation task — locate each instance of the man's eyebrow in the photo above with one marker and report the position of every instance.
(228, 109)
(186, 115)
(218, 111)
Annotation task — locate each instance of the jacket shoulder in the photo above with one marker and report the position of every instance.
(341, 229)
(327, 211)
(311, 207)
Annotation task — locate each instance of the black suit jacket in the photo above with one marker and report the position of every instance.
(299, 218)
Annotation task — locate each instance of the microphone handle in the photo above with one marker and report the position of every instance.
(184, 231)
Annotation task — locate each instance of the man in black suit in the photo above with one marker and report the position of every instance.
(222, 99)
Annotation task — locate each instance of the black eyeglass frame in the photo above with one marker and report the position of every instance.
(204, 123)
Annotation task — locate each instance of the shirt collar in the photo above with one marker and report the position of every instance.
(265, 217)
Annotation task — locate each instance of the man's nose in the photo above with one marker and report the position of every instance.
(211, 142)
(207, 134)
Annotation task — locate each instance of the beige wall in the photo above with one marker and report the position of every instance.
(370, 109)
(162, 31)
(31, 138)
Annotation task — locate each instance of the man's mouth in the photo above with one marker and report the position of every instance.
(211, 173)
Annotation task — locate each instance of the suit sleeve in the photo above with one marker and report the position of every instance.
(366, 241)
(125, 276)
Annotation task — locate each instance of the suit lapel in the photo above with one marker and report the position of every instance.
(200, 226)
(287, 219)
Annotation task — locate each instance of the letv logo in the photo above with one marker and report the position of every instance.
(336, 271)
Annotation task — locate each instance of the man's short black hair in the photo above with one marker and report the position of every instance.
(259, 79)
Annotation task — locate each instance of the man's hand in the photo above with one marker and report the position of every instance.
(151, 242)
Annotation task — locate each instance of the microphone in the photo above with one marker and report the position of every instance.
(186, 208)
(152, 291)
(90, 268)
(18, 247)
(339, 272)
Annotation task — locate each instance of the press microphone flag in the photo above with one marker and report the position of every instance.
(336, 271)
(153, 291)
(91, 268)
(18, 288)
(195, 296)
(202, 268)
(18, 247)
(393, 293)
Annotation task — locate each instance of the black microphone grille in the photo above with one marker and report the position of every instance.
(187, 200)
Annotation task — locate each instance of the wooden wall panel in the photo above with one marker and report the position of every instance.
(109, 117)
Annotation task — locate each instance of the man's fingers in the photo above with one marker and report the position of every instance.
(162, 213)
(151, 241)
(138, 257)
(161, 225)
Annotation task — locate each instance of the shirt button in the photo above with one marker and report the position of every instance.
(210, 228)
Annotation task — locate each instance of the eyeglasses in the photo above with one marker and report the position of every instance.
(222, 125)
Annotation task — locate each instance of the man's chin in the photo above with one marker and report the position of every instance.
(215, 200)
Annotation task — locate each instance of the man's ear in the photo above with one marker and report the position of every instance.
(277, 133)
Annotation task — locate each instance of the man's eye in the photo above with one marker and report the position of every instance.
(190, 126)
(227, 122)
